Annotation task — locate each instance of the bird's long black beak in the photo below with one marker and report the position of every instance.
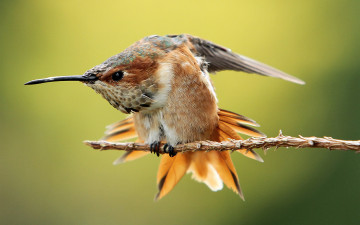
(87, 77)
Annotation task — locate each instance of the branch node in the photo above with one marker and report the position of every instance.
(311, 143)
(280, 134)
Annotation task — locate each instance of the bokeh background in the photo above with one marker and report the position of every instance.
(48, 176)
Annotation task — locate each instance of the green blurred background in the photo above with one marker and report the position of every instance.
(48, 176)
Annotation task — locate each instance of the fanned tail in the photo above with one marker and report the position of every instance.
(212, 168)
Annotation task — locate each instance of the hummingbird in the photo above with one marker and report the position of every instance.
(164, 83)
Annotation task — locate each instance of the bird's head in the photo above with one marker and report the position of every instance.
(130, 81)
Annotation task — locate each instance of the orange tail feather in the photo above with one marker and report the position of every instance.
(223, 165)
(226, 132)
(171, 170)
(212, 168)
(203, 171)
(130, 156)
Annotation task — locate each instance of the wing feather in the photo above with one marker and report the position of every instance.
(221, 58)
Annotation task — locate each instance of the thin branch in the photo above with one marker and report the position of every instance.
(251, 143)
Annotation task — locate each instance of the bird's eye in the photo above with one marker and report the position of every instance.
(117, 75)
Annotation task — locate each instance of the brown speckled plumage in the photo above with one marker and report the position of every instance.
(164, 82)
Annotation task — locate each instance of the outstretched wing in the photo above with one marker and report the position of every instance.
(221, 58)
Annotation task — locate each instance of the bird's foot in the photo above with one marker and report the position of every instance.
(169, 149)
(155, 147)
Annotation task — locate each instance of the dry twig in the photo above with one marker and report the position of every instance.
(262, 142)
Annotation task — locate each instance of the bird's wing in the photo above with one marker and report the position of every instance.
(221, 58)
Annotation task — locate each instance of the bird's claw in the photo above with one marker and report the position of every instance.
(169, 149)
(155, 147)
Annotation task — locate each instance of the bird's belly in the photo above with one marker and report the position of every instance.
(174, 128)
